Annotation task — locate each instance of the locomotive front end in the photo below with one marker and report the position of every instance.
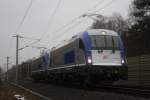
(106, 56)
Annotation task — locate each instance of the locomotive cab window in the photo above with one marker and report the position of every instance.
(106, 42)
(81, 46)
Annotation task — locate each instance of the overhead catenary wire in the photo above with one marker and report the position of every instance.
(38, 40)
(61, 28)
(24, 17)
(51, 17)
(30, 44)
(103, 7)
(68, 24)
(29, 38)
(74, 19)
(65, 31)
(96, 5)
(20, 24)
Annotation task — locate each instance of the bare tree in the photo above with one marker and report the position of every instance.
(115, 22)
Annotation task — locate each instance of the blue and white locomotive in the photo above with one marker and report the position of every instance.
(91, 56)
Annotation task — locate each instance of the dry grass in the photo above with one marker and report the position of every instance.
(8, 91)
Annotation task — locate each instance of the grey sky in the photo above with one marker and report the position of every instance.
(38, 23)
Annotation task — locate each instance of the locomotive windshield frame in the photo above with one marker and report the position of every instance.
(104, 42)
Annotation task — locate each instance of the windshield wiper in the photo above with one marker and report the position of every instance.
(98, 48)
(113, 45)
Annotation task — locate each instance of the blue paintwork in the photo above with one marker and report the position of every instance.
(45, 60)
(85, 38)
(69, 57)
(122, 52)
(86, 43)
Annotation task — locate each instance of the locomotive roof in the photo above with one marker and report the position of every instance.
(101, 31)
(89, 32)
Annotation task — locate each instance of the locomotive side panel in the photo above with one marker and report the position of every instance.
(60, 57)
(36, 64)
(80, 56)
(68, 55)
(56, 58)
(83, 58)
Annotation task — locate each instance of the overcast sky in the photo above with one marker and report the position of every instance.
(40, 23)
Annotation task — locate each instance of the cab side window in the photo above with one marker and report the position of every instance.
(81, 46)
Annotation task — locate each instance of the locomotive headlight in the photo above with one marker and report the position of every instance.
(103, 33)
(122, 61)
(89, 60)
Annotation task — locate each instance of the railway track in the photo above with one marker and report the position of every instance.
(30, 91)
(137, 92)
(132, 91)
(59, 91)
